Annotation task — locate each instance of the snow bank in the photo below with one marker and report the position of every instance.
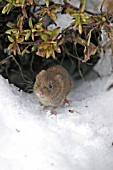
(31, 139)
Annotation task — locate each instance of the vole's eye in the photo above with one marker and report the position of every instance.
(50, 86)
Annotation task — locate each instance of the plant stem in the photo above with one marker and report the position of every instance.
(82, 6)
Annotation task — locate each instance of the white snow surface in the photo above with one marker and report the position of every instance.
(32, 139)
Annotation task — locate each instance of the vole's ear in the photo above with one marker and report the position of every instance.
(41, 73)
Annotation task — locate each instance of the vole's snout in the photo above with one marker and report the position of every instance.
(40, 93)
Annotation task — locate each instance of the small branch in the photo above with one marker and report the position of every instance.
(80, 72)
(69, 54)
(11, 56)
(5, 60)
(102, 5)
(31, 64)
(18, 67)
(29, 43)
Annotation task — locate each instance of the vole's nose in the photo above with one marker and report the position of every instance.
(40, 93)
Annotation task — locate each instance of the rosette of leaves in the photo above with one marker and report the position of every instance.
(14, 35)
(51, 11)
(50, 44)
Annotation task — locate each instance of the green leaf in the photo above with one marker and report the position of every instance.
(57, 49)
(45, 46)
(53, 54)
(49, 32)
(10, 39)
(80, 28)
(52, 15)
(27, 35)
(75, 15)
(23, 52)
(55, 33)
(9, 1)
(47, 3)
(38, 26)
(7, 8)
(33, 48)
(82, 6)
(10, 46)
(10, 31)
(19, 3)
(10, 25)
(44, 37)
(30, 23)
(56, 6)
(84, 19)
(77, 21)
(85, 16)
(48, 53)
(89, 38)
(94, 51)
(33, 30)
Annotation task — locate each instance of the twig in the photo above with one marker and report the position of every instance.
(31, 64)
(79, 70)
(4, 60)
(69, 54)
(11, 56)
(102, 6)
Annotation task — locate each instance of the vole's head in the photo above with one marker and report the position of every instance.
(47, 86)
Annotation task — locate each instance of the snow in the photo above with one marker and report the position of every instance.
(32, 139)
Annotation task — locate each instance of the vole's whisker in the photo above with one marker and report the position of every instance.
(26, 83)
(27, 79)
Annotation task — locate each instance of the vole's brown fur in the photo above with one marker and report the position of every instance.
(52, 86)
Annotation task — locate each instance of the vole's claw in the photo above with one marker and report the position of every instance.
(66, 102)
(53, 111)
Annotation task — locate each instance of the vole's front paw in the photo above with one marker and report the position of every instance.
(53, 111)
